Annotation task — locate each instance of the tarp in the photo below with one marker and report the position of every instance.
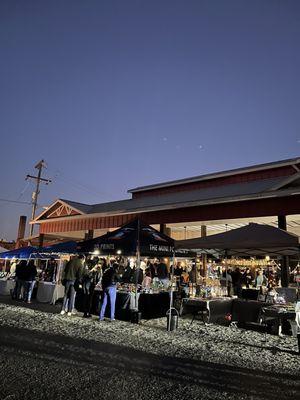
(69, 247)
(124, 241)
(22, 252)
(253, 239)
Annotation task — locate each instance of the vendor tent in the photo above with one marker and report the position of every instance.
(69, 247)
(135, 238)
(2, 249)
(250, 240)
(22, 252)
(128, 239)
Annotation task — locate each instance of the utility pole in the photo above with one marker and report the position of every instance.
(38, 179)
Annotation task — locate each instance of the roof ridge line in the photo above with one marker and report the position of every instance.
(213, 175)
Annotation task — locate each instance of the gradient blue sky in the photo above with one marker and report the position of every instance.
(117, 94)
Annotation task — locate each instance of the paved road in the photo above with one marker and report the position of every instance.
(35, 365)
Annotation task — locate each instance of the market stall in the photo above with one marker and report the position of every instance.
(138, 242)
(50, 288)
(7, 277)
(251, 241)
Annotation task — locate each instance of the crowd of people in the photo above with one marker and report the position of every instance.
(85, 273)
(236, 279)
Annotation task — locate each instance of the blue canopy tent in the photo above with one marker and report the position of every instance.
(31, 252)
(60, 248)
(22, 252)
(45, 253)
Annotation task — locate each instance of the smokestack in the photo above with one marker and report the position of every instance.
(21, 230)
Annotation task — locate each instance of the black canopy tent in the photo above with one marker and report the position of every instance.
(133, 239)
(251, 240)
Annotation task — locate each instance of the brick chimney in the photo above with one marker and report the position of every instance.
(21, 230)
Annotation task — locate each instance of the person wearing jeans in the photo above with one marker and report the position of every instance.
(29, 290)
(109, 286)
(111, 292)
(69, 297)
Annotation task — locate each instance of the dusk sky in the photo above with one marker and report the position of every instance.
(118, 94)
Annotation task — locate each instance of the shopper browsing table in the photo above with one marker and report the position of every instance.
(109, 286)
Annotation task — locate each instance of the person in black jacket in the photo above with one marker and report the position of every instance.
(30, 273)
(109, 286)
(247, 278)
(19, 279)
(90, 277)
(237, 278)
(163, 273)
(127, 275)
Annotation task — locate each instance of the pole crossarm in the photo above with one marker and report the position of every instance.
(37, 178)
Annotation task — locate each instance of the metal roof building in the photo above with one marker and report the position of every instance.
(227, 199)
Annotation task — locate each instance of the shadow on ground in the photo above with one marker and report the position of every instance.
(89, 354)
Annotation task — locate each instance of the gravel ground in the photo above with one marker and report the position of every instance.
(51, 356)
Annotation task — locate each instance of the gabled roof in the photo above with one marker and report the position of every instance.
(83, 208)
(77, 207)
(254, 168)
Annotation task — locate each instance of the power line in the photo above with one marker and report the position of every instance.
(15, 201)
(58, 175)
(24, 189)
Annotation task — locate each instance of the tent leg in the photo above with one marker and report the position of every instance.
(171, 293)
